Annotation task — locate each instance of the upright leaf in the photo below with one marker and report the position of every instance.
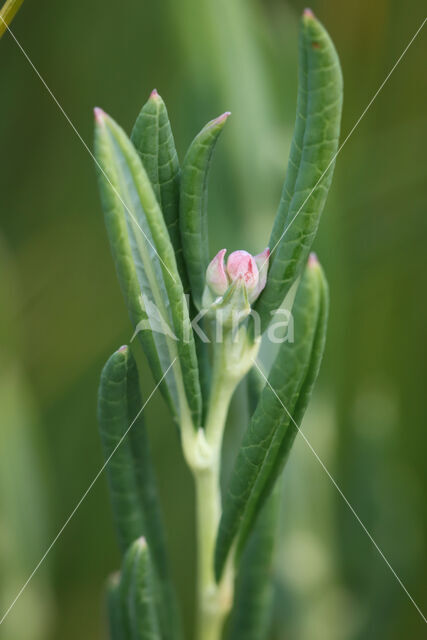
(250, 617)
(131, 209)
(272, 430)
(311, 163)
(193, 205)
(153, 139)
(137, 592)
(116, 623)
(130, 473)
(115, 417)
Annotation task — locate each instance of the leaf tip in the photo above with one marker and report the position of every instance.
(141, 543)
(219, 120)
(307, 13)
(99, 115)
(154, 94)
(313, 260)
(224, 116)
(122, 349)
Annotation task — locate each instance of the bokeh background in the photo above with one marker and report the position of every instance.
(61, 312)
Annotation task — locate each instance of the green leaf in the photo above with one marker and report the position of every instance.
(271, 433)
(130, 472)
(250, 617)
(311, 163)
(153, 139)
(137, 592)
(116, 622)
(131, 210)
(193, 205)
(115, 416)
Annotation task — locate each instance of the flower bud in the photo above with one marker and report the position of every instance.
(216, 277)
(241, 264)
(243, 269)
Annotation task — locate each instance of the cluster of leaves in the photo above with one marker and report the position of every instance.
(156, 218)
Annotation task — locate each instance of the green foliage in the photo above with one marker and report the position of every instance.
(311, 163)
(193, 206)
(131, 601)
(131, 209)
(131, 477)
(153, 139)
(157, 225)
(251, 615)
(281, 407)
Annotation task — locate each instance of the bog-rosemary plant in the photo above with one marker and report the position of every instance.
(200, 323)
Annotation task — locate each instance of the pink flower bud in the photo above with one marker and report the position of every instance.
(241, 264)
(216, 277)
(242, 268)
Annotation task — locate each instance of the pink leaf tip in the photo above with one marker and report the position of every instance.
(307, 13)
(312, 260)
(154, 94)
(99, 114)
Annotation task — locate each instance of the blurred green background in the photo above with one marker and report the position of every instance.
(61, 312)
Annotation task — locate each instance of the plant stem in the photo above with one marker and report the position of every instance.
(215, 600)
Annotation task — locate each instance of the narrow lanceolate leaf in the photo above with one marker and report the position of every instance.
(131, 210)
(128, 279)
(311, 163)
(281, 407)
(137, 590)
(193, 205)
(131, 476)
(115, 418)
(114, 609)
(250, 618)
(153, 139)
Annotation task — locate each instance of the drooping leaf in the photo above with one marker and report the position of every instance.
(311, 163)
(250, 618)
(153, 139)
(131, 210)
(130, 474)
(137, 591)
(272, 430)
(193, 205)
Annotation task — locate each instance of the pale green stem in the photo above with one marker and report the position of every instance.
(214, 600)
(7, 13)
